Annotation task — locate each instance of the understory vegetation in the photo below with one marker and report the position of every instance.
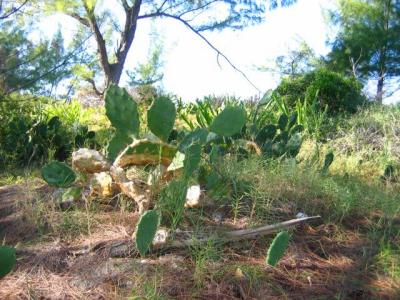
(250, 178)
(114, 187)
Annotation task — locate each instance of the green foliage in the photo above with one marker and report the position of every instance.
(229, 122)
(146, 231)
(58, 174)
(161, 117)
(339, 93)
(172, 201)
(38, 129)
(122, 111)
(28, 65)
(286, 141)
(278, 248)
(367, 44)
(7, 260)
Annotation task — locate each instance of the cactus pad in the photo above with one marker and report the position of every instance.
(117, 144)
(229, 122)
(7, 260)
(122, 110)
(58, 174)
(198, 136)
(278, 248)
(145, 152)
(146, 231)
(192, 159)
(161, 117)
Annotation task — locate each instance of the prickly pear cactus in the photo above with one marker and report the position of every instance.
(146, 230)
(7, 260)
(294, 144)
(266, 133)
(229, 122)
(161, 117)
(283, 121)
(198, 136)
(122, 111)
(327, 162)
(117, 144)
(292, 120)
(192, 159)
(58, 174)
(278, 248)
(145, 152)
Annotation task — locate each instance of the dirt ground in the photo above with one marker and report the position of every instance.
(323, 262)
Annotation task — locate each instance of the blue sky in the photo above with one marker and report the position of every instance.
(191, 68)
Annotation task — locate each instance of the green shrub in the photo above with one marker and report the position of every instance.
(29, 134)
(338, 92)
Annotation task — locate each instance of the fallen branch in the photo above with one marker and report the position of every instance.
(126, 247)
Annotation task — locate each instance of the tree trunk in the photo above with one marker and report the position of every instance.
(379, 90)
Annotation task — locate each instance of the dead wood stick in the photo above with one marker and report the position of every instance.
(126, 247)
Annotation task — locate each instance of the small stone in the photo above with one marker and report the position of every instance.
(89, 161)
(161, 237)
(102, 185)
(193, 196)
(217, 217)
(301, 215)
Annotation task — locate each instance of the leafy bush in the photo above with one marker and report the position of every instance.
(31, 135)
(338, 92)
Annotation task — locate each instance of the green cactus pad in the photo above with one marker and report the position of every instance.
(283, 137)
(283, 121)
(192, 159)
(7, 260)
(146, 231)
(73, 193)
(161, 117)
(292, 120)
(145, 152)
(294, 144)
(297, 129)
(278, 248)
(229, 122)
(198, 136)
(266, 133)
(328, 161)
(122, 110)
(58, 174)
(117, 144)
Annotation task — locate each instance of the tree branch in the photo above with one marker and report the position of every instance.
(95, 89)
(13, 10)
(79, 18)
(219, 53)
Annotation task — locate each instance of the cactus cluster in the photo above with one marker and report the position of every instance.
(284, 138)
